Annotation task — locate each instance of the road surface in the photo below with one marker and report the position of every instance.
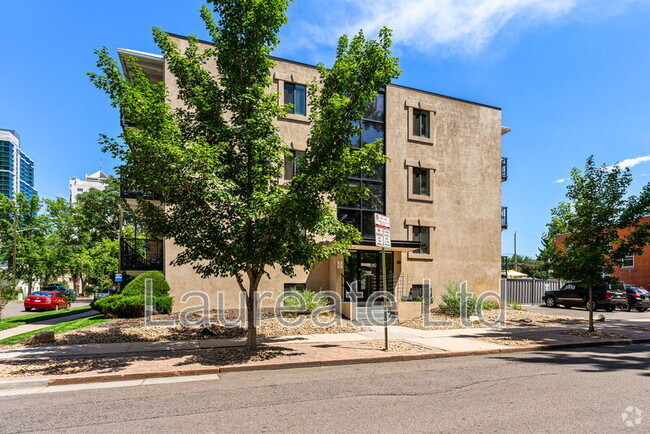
(15, 308)
(586, 390)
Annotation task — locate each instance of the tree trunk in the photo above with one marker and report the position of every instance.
(591, 308)
(251, 338)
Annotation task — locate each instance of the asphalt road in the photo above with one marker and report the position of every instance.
(581, 312)
(585, 390)
(15, 308)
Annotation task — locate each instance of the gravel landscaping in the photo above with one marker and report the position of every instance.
(596, 335)
(514, 318)
(133, 330)
(506, 340)
(108, 364)
(396, 346)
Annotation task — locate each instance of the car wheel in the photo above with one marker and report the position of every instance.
(28, 309)
(591, 304)
(626, 307)
(550, 302)
(56, 307)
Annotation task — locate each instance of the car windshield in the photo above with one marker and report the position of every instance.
(42, 294)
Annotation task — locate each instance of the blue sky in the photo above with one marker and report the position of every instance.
(572, 77)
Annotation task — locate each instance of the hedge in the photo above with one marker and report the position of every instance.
(123, 306)
(136, 286)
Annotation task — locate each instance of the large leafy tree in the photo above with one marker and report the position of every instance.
(217, 159)
(603, 224)
(22, 232)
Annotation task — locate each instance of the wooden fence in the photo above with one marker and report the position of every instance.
(527, 291)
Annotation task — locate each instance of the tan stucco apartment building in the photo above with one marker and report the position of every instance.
(441, 190)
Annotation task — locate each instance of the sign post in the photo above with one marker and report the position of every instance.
(382, 239)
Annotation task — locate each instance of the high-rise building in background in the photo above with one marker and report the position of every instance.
(16, 168)
(78, 186)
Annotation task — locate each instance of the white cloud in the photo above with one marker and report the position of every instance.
(560, 181)
(461, 25)
(629, 163)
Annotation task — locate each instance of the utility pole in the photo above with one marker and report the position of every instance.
(516, 261)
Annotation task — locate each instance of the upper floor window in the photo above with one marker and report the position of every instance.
(421, 234)
(421, 181)
(421, 123)
(292, 163)
(296, 95)
(628, 262)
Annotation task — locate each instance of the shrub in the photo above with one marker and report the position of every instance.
(450, 304)
(516, 306)
(311, 301)
(131, 306)
(136, 286)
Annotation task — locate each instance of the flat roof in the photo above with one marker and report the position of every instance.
(176, 35)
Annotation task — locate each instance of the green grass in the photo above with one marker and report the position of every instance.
(35, 317)
(63, 327)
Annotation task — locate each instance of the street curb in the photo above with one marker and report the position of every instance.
(15, 384)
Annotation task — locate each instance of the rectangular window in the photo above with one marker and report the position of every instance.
(420, 181)
(421, 123)
(628, 262)
(292, 163)
(295, 287)
(421, 234)
(296, 94)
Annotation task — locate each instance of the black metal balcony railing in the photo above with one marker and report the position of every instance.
(504, 169)
(504, 217)
(134, 194)
(141, 254)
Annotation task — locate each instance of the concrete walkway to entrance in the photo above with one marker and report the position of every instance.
(26, 328)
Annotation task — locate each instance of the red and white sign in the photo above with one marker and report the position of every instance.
(382, 231)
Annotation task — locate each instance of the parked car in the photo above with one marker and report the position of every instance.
(46, 300)
(637, 298)
(68, 293)
(572, 294)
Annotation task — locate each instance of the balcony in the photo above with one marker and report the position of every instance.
(504, 169)
(504, 217)
(141, 254)
(135, 194)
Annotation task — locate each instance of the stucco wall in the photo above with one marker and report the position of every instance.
(464, 213)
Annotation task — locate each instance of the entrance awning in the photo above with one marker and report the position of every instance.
(396, 246)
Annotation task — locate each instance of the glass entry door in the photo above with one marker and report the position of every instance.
(363, 273)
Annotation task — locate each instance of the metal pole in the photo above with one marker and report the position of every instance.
(516, 261)
(119, 238)
(383, 272)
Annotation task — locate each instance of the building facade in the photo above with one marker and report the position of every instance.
(78, 186)
(16, 168)
(441, 188)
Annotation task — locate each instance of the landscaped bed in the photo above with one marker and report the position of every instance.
(134, 330)
(514, 318)
(16, 321)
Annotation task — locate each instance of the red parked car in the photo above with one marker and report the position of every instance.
(46, 300)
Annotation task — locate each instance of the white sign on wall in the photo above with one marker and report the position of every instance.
(382, 231)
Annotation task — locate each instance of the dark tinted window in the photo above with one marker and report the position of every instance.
(296, 94)
(42, 294)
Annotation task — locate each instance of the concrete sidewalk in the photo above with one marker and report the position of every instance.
(8, 333)
(463, 340)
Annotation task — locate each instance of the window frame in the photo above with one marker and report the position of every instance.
(412, 108)
(284, 97)
(411, 167)
(625, 259)
(294, 166)
(421, 226)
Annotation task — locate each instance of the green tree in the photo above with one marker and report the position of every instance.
(221, 154)
(21, 234)
(603, 226)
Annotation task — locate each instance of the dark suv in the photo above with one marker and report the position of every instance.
(637, 298)
(607, 297)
